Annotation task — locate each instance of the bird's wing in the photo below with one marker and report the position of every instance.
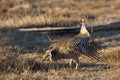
(79, 43)
(83, 46)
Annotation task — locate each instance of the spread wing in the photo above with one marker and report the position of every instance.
(83, 46)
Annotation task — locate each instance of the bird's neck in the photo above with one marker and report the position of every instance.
(84, 31)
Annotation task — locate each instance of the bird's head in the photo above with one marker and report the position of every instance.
(50, 55)
(47, 55)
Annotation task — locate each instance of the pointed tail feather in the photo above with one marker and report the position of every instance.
(95, 55)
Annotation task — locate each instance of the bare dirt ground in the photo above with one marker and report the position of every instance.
(20, 52)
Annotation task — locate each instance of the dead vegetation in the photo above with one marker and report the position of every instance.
(20, 52)
(22, 13)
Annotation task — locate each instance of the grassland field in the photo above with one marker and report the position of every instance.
(20, 52)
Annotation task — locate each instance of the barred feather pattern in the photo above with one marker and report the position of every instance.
(82, 45)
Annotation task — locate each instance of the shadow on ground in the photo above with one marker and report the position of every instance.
(30, 42)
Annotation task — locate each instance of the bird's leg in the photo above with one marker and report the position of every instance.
(70, 63)
(77, 63)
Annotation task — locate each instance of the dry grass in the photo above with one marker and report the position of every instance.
(57, 13)
(20, 52)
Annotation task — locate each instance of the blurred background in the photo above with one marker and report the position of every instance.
(18, 13)
(20, 51)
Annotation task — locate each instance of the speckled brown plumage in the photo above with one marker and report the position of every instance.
(73, 48)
